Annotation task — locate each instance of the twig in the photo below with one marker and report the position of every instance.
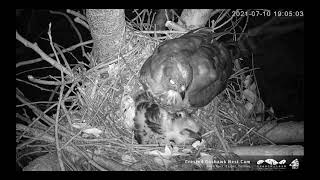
(254, 75)
(247, 133)
(175, 26)
(77, 14)
(39, 81)
(39, 135)
(70, 90)
(36, 133)
(67, 114)
(53, 93)
(74, 27)
(63, 57)
(141, 19)
(82, 22)
(215, 121)
(150, 20)
(220, 18)
(244, 28)
(216, 11)
(88, 158)
(25, 119)
(94, 89)
(39, 102)
(58, 108)
(215, 28)
(69, 141)
(41, 88)
(71, 48)
(104, 98)
(112, 164)
(43, 55)
(143, 16)
(41, 114)
(34, 69)
(163, 32)
(137, 17)
(32, 107)
(258, 134)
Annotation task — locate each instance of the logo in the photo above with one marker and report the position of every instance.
(294, 164)
(271, 162)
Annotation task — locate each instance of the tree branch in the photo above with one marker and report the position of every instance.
(43, 55)
(22, 63)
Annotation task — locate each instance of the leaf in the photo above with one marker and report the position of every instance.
(247, 81)
(167, 152)
(94, 131)
(128, 110)
(80, 125)
(249, 95)
(163, 158)
(187, 150)
(259, 106)
(253, 87)
(197, 144)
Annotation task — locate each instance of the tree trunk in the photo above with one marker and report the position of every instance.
(107, 28)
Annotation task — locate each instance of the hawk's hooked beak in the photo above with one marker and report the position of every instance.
(183, 92)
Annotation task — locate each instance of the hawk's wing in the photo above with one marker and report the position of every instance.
(211, 67)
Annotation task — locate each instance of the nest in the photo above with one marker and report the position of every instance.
(96, 133)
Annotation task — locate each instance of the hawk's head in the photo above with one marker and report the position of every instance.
(166, 77)
(177, 75)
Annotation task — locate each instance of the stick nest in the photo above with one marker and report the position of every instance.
(96, 133)
(103, 104)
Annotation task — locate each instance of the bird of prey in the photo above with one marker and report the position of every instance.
(187, 72)
(153, 124)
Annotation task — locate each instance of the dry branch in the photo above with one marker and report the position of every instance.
(43, 55)
(27, 62)
(75, 28)
(287, 132)
(272, 150)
